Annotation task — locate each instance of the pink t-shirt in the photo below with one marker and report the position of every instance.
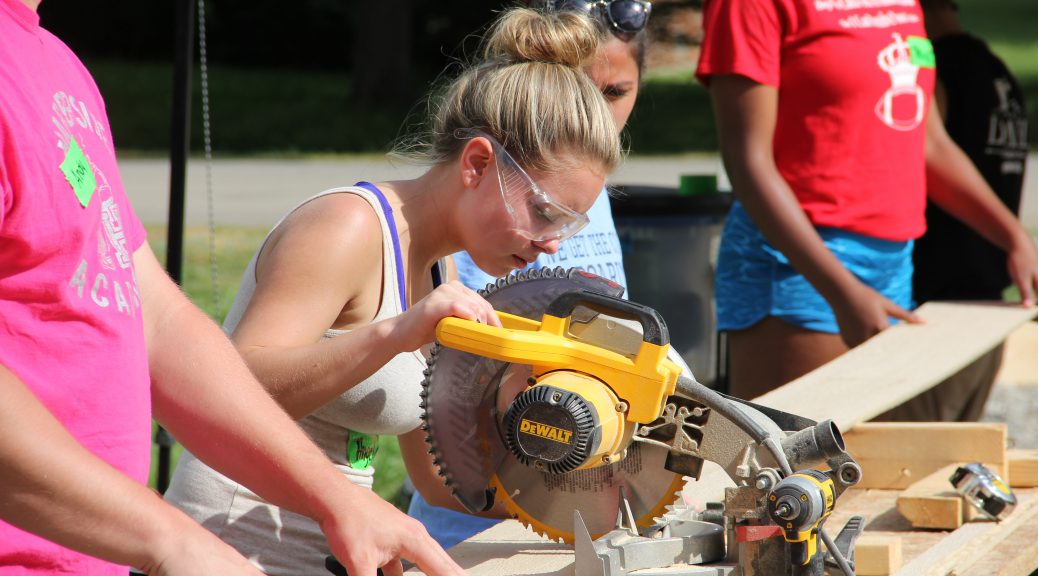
(70, 310)
(854, 80)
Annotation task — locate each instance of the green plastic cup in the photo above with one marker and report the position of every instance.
(694, 184)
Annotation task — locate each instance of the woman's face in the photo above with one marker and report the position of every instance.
(499, 246)
(615, 71)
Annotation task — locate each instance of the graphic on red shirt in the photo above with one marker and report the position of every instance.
(896, 60)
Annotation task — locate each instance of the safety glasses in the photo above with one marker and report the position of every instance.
(626, 17)
(535, 214)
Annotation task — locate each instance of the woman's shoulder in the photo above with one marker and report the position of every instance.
(338, 225)
(336, 213)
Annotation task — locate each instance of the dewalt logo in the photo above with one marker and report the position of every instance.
(545, 431)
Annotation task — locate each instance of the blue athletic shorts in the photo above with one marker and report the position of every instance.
(754, 280)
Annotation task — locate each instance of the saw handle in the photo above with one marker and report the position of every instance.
(654, 330)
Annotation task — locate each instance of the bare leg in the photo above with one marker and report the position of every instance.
(773, 352)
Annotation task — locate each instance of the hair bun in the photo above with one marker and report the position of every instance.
(551, 37)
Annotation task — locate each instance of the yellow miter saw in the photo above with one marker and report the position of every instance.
(580, 419)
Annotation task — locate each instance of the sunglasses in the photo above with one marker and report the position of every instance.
(535, 214)
(627, 17)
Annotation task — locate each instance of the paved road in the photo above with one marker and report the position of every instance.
(256, 192)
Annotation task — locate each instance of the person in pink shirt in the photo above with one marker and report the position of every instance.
(823, 113)
(95, 339)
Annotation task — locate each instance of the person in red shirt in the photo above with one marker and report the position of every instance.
(822, 108)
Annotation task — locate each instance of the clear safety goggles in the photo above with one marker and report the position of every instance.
(536, 215)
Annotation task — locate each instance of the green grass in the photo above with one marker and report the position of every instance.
(234, 249)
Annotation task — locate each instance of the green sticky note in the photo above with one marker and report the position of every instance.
(78, 172)
(361, 449)
(921, 52)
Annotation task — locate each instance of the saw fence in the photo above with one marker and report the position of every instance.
(906, 466)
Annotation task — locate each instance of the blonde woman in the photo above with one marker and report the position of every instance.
(617, 71)
(346, 288)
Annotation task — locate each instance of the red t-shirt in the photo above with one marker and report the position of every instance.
(854, 80)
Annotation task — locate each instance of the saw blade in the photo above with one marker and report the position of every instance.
(545, 502)
(464, 396)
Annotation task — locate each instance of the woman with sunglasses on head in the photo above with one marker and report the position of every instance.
(346, 288)
(617, 71)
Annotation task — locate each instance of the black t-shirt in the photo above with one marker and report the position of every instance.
(986, 116)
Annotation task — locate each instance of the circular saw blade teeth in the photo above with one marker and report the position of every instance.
(653, 516)
(678, 505)
(433, 413)
(436, 456)
(517, 512)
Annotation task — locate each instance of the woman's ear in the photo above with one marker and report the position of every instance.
(475, 160)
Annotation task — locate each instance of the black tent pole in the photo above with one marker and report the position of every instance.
(179, 146)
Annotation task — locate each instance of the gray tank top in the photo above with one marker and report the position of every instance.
(387, 402)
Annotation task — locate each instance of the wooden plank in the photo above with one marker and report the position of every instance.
(1023, 468)
(1014, 554)
(877, 554)
(511, 548)
(899, 363)
(882, 519)
(932, 502)
(980, 542)
(893, 455)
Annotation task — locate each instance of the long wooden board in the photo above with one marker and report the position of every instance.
(899, 363)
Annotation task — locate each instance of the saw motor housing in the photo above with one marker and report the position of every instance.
(584, 401)
(567, 421)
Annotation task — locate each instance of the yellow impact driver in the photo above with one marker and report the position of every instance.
(800, 504)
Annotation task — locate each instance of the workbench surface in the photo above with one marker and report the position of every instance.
(1009, 548)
